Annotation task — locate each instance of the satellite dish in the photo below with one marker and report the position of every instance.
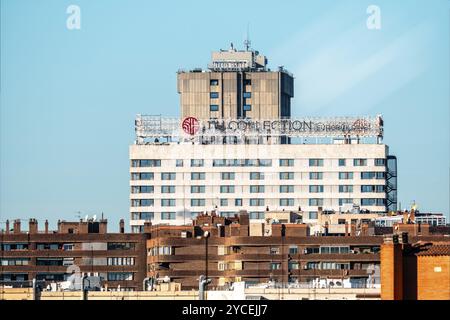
(94, 217)
(86, 218)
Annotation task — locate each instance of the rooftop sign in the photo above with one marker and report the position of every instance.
(190, 127)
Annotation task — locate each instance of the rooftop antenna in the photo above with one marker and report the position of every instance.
(247, 42)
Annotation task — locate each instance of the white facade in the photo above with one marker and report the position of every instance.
(181, 180)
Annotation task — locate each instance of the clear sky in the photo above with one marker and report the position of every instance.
(69, 97)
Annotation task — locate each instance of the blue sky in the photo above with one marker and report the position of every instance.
(69, 97)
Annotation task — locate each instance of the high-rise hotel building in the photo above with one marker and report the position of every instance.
(237, 147)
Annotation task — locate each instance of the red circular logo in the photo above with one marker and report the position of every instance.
(361, 125)
(190, 125)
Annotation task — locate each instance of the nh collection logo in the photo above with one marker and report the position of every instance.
(190, 125)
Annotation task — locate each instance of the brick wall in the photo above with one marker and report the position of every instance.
(433, 280)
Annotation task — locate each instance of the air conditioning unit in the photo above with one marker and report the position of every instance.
(305, 268)
(183, 234)
(305, 251)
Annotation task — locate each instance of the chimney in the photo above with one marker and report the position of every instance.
(17, 226)
(405, 217)
(413, 216)
(122, 226)
(46, 226)
(7, 226)
(32, 226)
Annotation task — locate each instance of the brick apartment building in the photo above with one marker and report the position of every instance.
(415, 271)
(242, 251)
(237, 250)
(83, 247)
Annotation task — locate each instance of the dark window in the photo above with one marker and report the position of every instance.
(93, 227)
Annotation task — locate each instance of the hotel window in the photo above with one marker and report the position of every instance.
(289, 202)
(373, 202)
(224, 202)
(381, 175)
(142, 176)
(146, 163)
(214, 95)
(316, 202)
(197, 176)
(227, 214)
(238, 202)
(227, 175)
(286, 162)
(380, 162)
(316, 162)
(168, 175)
(179, 163)
(247, 107)
(256, 202)
(168, 202)
(345, 201)
(142, 189)
(142, 202)
(257, 189)
(197, 162)
(275, 266)
(256, 176)
(213, 82)
(312, 214)
(168, 215)
(316, 175)
(264, 162)
(247, 95)
(367, 188)
(359, 162)
(341, 162)
(197, 189)
(214, 107)
(194, 214)
(347, 188)
(143, 215)
(197, 202)
(286, 189)
(167, 189)
(315, 189)
(373, 175)
(286, 175)
(256, 215)
(345, 175)
(226, 189)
